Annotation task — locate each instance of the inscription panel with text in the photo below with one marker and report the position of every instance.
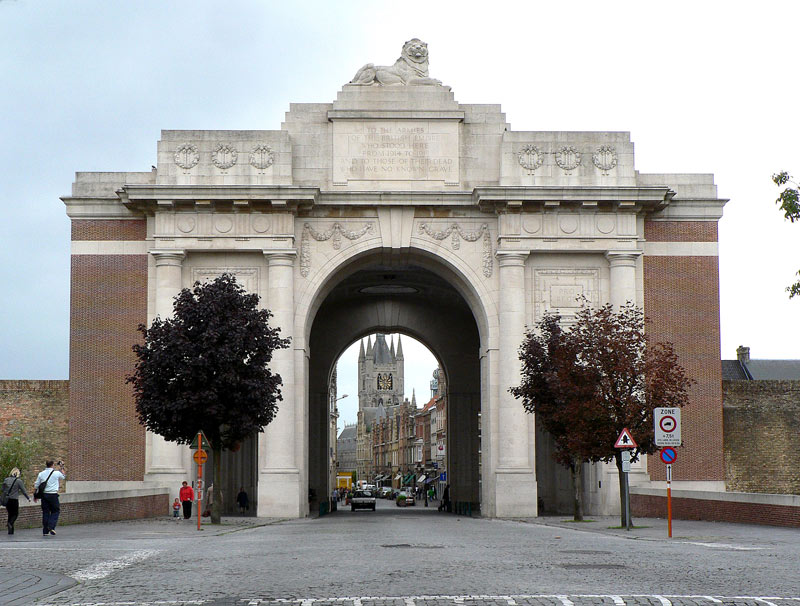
(395, 150)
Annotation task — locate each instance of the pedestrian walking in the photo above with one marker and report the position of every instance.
(243, 501)
(210, 501)
(336, 494)
(45, 488)
(186, 496)
(176, 508)
(12, 486)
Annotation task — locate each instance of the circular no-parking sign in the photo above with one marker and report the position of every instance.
(667, 424)
(668, 455)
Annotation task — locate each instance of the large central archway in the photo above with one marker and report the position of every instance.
(414, 295)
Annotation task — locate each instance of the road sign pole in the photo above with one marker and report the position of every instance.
(627, 503)
(669, 500)
(199, 477)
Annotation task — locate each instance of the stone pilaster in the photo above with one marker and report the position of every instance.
(166, 461)
(623, 276)
(516, 476)
(279, 475)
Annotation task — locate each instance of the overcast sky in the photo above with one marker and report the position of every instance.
(703, 87)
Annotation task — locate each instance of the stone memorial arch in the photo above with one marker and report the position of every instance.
(394, 208)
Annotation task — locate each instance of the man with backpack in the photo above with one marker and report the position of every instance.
(45, 489)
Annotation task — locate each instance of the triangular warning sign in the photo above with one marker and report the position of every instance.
(206, 445)
(625, 440)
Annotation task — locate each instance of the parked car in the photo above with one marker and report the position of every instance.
(405, 499)
(385, 492)
(363, 499)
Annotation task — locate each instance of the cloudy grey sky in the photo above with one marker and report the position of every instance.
(88, 85)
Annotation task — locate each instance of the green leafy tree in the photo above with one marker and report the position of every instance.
(789, 202)
(588, 382)
(206, 368)
(18, 450)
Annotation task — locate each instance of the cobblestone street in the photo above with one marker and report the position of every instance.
(402, 557)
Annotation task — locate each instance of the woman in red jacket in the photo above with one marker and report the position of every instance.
(186, 496)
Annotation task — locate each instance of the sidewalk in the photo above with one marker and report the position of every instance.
(655, 529)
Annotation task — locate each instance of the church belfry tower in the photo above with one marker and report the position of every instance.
(380, 373)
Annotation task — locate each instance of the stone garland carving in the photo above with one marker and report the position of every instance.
(336, 232)
(187, 156)
(605, 158)
(224, 156)
(455, 233)
(530, 158)
(262, 157)
(568, 158)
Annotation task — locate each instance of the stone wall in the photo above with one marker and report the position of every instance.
(40, 408)
(81, 508)
(762, 439)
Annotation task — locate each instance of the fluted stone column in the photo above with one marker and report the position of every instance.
(622, 276)
(516, 476)
(166, 460)
(279, 475)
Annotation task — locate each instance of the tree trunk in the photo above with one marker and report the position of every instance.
(576, 467)
(216, 507)
(623, 522)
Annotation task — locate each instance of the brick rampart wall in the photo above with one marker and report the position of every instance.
(650, 506)
(762, 439)
(680, 231)
(681, 300)
(108, 302)
(101, 510)
(40, 409)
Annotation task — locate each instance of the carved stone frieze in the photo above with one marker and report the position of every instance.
(187, 156)
(456, 233)
(224, 156)
(248, 277)
(336, 232)
(559, 291)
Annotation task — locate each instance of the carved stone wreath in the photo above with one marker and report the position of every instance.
(336, 232)
(262, 157)
(455, 233)
(224, 156)
(605, 158)
(568, 158)
(530, 158)
(187, 156)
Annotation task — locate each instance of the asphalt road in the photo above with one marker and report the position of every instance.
(403, 557)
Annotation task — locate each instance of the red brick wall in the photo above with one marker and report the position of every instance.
(40, 410)
(649, 506)
(680, 231)
(681, 300)
(109, 229)
(108, 302)
(105, 510)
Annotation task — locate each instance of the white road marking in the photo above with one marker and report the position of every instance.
(103, 569)
(565, 600)
(724, 546)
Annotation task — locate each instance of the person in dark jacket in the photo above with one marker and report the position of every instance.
(242, 501)
(12, 486)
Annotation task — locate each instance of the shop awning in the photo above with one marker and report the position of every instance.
(398, 476)
(421, 479)
(379, 478)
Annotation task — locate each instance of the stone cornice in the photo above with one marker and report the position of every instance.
(633, 198)
(152, 197)
(387, 114)
(695, 209)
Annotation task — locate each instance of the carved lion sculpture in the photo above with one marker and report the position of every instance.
(410, 68)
